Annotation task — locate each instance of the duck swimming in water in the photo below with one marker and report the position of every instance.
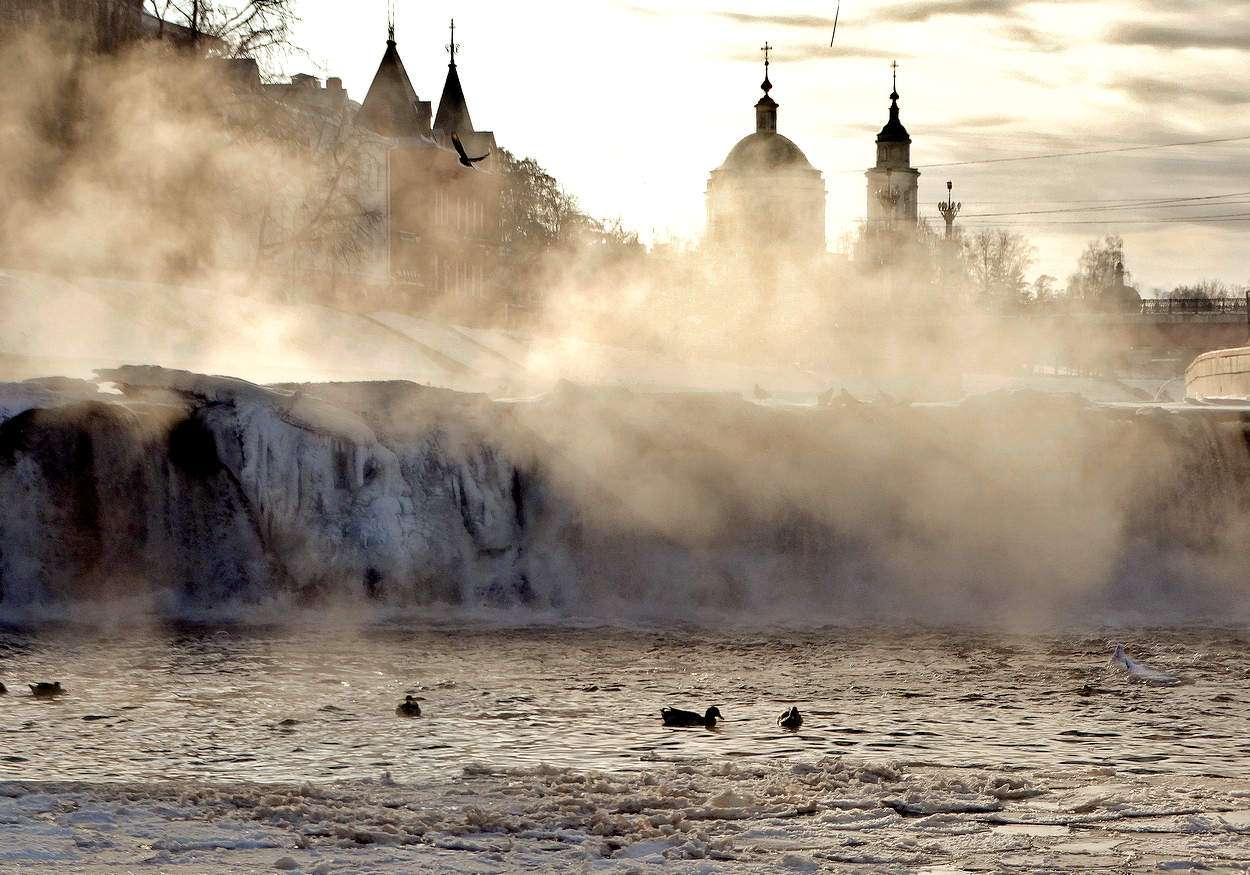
(790, 718)
(408, 708)
(43, 689)
(678, 717)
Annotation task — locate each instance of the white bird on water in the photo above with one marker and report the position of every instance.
(1140, 671)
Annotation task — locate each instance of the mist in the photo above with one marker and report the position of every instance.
(739, 435)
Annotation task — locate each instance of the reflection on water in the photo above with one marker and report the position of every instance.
(282, 704)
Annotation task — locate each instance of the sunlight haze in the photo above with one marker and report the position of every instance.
(631, 106)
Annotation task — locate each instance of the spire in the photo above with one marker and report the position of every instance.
(390, 21)
(894, 132)
(452, 47)
(766, 107)
(453, 110)
(391, 107)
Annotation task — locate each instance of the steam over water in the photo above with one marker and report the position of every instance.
(212, 704)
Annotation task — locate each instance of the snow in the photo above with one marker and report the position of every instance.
(557, 820)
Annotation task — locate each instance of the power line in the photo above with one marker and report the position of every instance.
(1084, 152)
(1161, 203)
(1163, 220)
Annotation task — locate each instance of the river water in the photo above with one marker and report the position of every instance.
(291, 704)
(540, 748)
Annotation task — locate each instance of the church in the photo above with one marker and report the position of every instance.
(443, 209)
(416, 193)
(766, 197)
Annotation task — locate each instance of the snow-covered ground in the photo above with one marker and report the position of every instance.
(830, 814)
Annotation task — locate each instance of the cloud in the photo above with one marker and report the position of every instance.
(791, 20)
(821, 52)
(1147, 89)
(923, 10)
(1236, 37)
(1033, 39)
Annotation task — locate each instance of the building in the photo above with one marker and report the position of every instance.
(442, 216)
(892, 181)
(391, 219)
(766, 197)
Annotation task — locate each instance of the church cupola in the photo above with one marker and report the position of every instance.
(766, 197)
(766, 107)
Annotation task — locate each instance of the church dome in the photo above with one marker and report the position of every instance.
(766, 152)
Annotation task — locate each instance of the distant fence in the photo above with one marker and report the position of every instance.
(1181, 306)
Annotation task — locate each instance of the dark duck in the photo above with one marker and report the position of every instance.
(43, 689)
(790, 718)
(678, 717)
(408, 708)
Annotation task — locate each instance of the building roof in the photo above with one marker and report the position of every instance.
(453, 110)
(766, 152)
(893, 132)
(391, 106)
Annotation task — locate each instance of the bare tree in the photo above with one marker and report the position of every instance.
(1097, 268)
(259, 29)
(996, 260)
(311, 179)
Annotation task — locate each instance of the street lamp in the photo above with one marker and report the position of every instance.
(949, 210)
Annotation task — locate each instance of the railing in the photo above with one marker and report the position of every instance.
(1181, 306)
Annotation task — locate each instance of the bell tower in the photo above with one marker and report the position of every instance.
(893, 182)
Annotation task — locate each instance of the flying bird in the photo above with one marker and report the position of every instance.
(464, 157)
(837, 10)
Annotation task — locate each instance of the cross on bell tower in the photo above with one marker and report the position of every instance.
(766, 85)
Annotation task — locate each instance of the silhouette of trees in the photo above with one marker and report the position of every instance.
(1097, 265)
(996, 260)
(259, 29)
(1043, 289)
(536, 213)
(1209, 290)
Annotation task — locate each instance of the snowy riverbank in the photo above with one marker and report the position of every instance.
(697, 816)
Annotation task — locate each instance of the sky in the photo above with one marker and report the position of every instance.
(631, 105)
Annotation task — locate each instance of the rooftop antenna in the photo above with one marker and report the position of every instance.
(836, 11)
(453, 46)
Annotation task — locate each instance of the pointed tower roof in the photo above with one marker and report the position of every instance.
(453, 111)
(894, 132)
(391, 106)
